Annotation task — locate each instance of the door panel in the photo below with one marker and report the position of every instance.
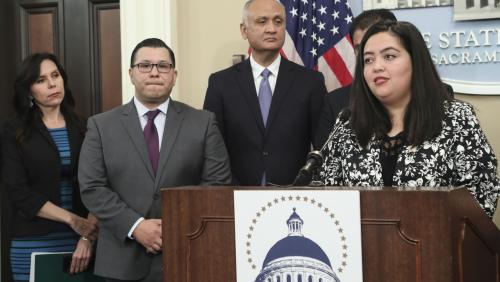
(106, 54)
(84, 35)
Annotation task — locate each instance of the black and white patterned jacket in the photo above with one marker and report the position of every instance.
(460, 156)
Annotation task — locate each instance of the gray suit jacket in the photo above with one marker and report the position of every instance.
(117, 181)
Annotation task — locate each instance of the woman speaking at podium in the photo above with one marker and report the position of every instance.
(404, 128)
(40, 149)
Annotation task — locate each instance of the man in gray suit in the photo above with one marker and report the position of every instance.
(132, 151)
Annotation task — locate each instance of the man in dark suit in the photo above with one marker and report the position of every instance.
(338, 99)
(266, 106)
(132, 151)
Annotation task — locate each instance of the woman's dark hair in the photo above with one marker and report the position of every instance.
(28, 111)
(424, 113)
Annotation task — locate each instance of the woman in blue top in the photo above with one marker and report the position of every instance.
(40, 150)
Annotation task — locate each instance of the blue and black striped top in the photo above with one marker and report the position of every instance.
(60, 137)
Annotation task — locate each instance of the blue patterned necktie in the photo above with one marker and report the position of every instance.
(265, 95)
(152, 140)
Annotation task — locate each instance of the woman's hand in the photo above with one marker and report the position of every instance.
(81, 256)
(84, 227)
(93, 220)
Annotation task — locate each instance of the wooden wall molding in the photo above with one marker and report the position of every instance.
(105, 74)
(27, 10)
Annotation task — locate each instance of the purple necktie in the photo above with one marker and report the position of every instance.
(265, 95)
(151, 137)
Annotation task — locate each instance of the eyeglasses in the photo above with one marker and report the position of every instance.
(148, 67)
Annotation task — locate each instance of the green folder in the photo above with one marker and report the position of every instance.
(49, 267)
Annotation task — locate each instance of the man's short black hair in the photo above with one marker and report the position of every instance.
(153, 43)
(368, 18)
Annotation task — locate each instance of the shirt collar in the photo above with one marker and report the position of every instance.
(257, 69)
(142, 110)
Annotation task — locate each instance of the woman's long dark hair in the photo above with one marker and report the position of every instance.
(28, 111)
(424, 113)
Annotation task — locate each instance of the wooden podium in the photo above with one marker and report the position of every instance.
(424, 235)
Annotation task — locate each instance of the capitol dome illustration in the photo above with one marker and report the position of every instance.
(296, 258)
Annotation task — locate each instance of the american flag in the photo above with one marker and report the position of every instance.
(317, 37)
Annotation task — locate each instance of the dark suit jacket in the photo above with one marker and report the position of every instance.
(31, 173)
(335, 101)
(119, 186)
(279, 149)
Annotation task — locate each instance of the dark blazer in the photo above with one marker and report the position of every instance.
(119, 186)
(31, 174)
(335, 101)
(279, 149)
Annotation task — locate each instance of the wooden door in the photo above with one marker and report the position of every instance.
(85, 36)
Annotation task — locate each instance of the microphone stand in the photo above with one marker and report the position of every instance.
(315, 158)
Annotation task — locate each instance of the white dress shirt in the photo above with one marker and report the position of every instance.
(159, 120)
(257, 71)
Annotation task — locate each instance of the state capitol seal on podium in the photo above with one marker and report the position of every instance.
(298, 236)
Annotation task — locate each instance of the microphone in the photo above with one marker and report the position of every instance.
(315, 158)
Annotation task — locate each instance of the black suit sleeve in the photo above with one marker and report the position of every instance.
(316, 105)
(24, 198)
(213, 103)
(335, 101)
(326, 120)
